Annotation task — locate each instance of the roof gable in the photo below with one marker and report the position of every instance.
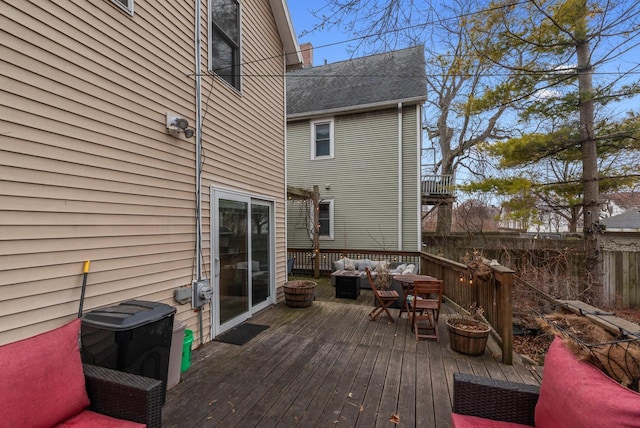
(285, 28)
(382, 79)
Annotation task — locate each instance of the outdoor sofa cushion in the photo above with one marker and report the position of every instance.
(573, 394)
(91, 419)
(42, 381)
(576, 394)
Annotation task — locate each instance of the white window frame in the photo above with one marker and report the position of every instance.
(329, 121)
(127, 8)
(331, 203)
(237, 87)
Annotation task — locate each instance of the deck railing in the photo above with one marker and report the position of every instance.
(303, 258)
(460, 286)
(437, 184)
(492, 294)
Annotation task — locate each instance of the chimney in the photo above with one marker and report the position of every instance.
(307, 55)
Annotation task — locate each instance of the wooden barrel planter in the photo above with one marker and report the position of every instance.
(467, 336)
(299, 294)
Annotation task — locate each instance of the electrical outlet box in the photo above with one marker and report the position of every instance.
(202, 293)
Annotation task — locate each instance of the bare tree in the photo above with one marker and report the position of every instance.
(468, 95)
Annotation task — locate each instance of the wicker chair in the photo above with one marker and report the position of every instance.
(124, 395)
(494, 399)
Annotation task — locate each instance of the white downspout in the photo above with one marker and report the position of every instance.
(198, 127)
(198, 144)
(399, 176)
(419, 174)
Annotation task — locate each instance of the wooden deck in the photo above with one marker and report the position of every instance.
(328, 366)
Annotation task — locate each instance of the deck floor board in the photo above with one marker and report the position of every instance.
(328, 366)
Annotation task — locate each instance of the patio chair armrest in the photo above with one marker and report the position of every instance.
(494, 399)
(124, 395)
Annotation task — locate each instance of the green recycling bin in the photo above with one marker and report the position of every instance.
(186, 350)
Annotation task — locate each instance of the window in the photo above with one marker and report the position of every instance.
(225, 40)
(127, 5)
(325, 217)
(322, 139)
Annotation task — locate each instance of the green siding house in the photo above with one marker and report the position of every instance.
(354, 130)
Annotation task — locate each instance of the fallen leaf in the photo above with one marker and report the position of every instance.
(350, 395)
(395, 419)
(362, 408)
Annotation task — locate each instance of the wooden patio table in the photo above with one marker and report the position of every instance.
(407, 281)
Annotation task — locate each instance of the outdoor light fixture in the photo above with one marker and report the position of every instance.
(176, 124)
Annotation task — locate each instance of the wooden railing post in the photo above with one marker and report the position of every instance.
(504, 285)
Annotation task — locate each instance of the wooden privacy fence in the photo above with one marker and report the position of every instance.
(492, 294)
(621, 278)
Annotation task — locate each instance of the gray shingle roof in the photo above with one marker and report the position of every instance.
(392, 77)
(628, 220)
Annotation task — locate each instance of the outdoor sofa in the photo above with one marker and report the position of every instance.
(573, 394)
(359, 265)
(45, 384)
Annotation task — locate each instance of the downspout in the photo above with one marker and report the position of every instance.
(198, 158)
(399, 176)
(419, 173)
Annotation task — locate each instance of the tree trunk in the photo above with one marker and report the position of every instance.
(445, 214)
(591, 205)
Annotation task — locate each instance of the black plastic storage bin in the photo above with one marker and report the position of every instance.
(134, 337)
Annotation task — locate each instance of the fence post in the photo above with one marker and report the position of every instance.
(504, 285)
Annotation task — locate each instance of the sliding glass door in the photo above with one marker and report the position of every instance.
(242, 257)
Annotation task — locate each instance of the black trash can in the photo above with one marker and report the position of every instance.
(134, 337)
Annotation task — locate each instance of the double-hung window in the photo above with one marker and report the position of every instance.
(325, 218)
(322, 139)
(225, 40)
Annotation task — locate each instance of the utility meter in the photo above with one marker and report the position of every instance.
(202, 293)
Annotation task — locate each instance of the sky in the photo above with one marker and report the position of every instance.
(304, 21)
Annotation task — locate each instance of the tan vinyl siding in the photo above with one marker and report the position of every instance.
(87, 170)
(243, 135)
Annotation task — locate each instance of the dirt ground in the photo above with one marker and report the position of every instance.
(534, 342)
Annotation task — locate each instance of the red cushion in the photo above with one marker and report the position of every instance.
(576, 394)
(96, 420)
(41, 379)
(464, 421)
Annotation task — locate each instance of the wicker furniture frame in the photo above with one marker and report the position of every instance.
(494, 399)
(124, 395)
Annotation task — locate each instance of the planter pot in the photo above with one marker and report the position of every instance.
(299, 294)
(467, 336)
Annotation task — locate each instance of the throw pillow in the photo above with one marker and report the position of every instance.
(408, 269)
(349, 264)
(338, 264)
(362, 264)
(42, 381)
(576, 394)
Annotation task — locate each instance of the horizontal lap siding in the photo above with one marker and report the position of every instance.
(243, 135)
(410, 177)
(87, 170)
(363, 179)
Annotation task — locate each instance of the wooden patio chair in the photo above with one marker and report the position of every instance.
(383, 299)
(425, 306)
